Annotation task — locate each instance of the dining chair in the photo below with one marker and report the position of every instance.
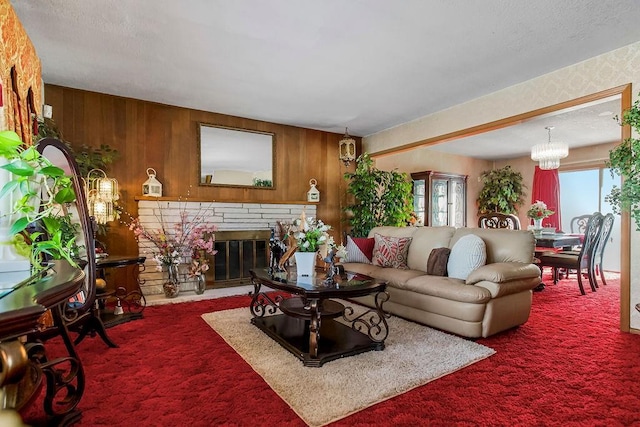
(579, 223)
(499, 220)
(603, 239)
(584, 260)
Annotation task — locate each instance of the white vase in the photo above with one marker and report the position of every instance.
(537, 224)
(305, 263)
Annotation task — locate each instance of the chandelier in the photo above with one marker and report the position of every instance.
(548, 155)
(347, 148)
(102, 194)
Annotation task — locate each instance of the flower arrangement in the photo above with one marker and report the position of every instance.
(170, 245)
(538, 210)
(311, 234)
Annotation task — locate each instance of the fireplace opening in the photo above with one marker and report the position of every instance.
(238, 252)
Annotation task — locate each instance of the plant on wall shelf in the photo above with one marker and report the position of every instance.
(502, 191)
(624, 160)
(382, 197)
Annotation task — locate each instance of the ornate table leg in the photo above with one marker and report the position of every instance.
(261, 303)
(372, 322)
(314, 328)
(64, 375)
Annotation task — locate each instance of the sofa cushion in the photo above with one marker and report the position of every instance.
(437, 262)
(425, 239)
(391, 251)
(393, 277)
(447, 288)
(360, 249)
(467, 254)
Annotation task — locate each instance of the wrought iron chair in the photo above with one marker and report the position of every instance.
(579, 224)
(584, 260)
(499, 220)
(603, 239)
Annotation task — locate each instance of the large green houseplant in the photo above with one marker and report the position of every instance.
(502, 191)
(624, 160)
(381, 197)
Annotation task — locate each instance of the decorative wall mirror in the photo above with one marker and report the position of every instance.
(236, 157)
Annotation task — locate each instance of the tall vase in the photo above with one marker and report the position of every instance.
(537, 226)
(201, 284)
(171, 287)
(305, 263)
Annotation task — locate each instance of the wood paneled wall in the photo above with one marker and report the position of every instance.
(165, 138)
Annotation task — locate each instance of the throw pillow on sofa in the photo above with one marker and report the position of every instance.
(360, 249)
(391, 251)
(437, 262)
(467, 254)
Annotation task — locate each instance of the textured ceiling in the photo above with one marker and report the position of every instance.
(365, 64)
(586, 125)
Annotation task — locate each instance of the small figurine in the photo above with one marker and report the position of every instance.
(332, 269)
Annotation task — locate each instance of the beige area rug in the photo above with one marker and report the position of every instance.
(413, 356)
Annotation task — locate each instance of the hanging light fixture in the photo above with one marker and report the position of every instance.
(102, 194)
(347, 148)
(548, 155)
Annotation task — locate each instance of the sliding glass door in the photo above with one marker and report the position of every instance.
(583, 192)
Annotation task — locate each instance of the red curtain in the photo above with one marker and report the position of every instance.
(546, 188)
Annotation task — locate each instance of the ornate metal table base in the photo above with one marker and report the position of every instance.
(317, 330)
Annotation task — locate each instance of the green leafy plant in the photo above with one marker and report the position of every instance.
(624, 161)
(32, 175)
(382, 197)
(502, 191)
(56, 241)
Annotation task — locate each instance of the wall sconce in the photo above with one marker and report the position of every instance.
(102, 194)
(347, 148)
(152, 187)
(549, 154)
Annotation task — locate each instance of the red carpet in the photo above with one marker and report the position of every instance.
(569, 365)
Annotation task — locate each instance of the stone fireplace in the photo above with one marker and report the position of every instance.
(242, 239)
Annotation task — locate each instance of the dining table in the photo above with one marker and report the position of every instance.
(555, 242)
(558, 240)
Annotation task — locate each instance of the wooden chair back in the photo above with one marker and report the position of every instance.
(499, 220)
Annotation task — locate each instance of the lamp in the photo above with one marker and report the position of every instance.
(102, 193)
(347, 148)
(549, 154)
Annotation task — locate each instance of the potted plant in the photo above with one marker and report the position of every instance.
(31, 188)
(382, 197)
(624, 160)
(502, 191)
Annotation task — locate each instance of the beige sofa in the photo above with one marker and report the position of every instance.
(494, 297)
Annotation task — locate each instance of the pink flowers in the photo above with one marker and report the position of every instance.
(171, 244)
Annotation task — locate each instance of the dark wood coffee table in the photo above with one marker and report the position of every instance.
(308, 325)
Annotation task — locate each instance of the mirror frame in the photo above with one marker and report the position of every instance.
(240, 131)
(86, 221)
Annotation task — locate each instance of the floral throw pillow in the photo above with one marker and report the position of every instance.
(391, 251)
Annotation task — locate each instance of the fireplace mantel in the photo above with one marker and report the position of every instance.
(205, 200)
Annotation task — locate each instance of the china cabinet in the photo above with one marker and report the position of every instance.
(440, 198)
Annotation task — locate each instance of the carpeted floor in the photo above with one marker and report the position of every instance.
(569, 365)
(414, 355)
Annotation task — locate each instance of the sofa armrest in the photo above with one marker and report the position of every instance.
(504, 278)
(503, 272)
